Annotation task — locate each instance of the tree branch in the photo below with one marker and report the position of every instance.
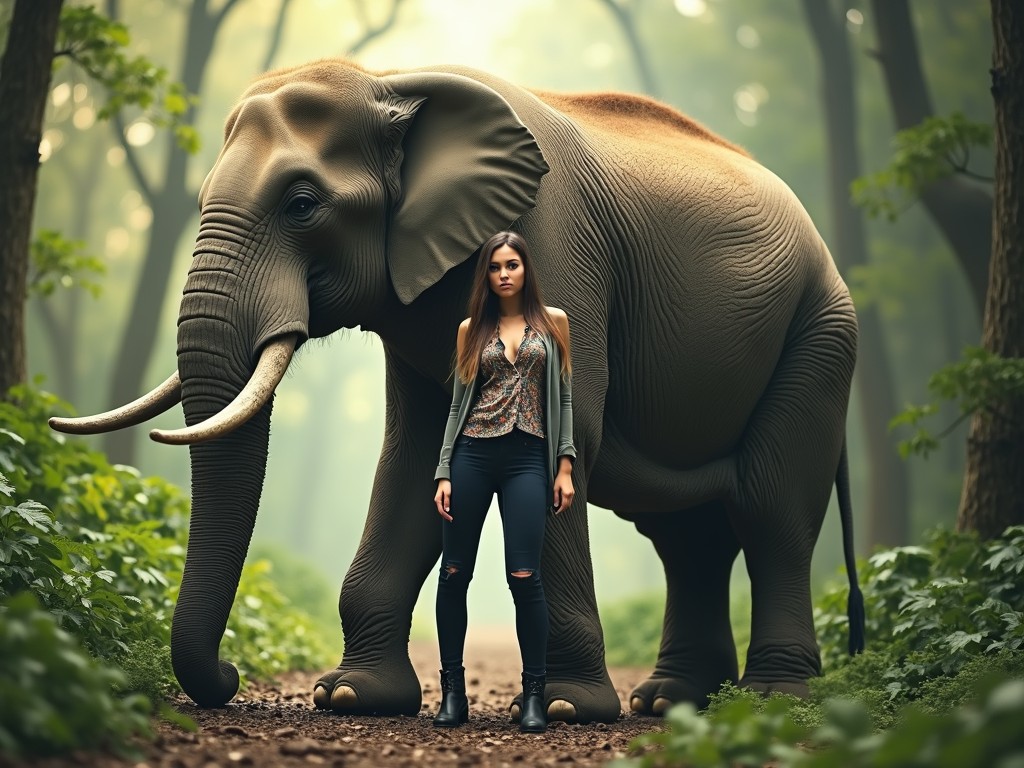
(888, 488)
(372, 33)
(223, 13)
(627, 24)
(117, 123)
(961, 210)
(276, 35)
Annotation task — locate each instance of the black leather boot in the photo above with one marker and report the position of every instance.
(454, 709)
(535, 716)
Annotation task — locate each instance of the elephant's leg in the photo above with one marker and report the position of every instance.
(697, 548)
(578, 687)
(787, 467)
(401, 542)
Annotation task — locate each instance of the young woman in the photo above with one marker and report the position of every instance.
(509, 432)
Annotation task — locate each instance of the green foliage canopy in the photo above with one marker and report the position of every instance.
(98, 45)
(937, 148)
(977, 384)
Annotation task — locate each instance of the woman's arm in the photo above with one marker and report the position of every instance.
(566, 446)
(563, 488)
(458, 392)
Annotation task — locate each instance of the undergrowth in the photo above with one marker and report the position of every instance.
(99, 551)
(941, 684)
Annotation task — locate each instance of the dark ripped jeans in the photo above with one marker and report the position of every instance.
(514, 467)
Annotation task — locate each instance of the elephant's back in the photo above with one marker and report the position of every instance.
(632, 118)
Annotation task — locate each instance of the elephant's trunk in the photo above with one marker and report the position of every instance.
(217, 350)
(227, 479)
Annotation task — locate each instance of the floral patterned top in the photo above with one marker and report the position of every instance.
(512, 393)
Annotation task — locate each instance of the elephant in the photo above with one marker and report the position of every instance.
(713, 347)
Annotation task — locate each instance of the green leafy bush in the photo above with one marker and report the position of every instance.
(632, 627)
(632, 630)
(266, 635)
(304, 585)
(944, 628)
(746, 732)
(53, 695)
(103, 550)
(932, 609)
(743, 733)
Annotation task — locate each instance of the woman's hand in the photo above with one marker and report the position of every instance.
(443, 498)
(564, 491)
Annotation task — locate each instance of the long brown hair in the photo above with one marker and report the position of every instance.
(483, 308)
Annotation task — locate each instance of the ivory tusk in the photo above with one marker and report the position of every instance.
(155, 402)
(269, 371)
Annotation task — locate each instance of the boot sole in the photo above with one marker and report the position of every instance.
(463, 719)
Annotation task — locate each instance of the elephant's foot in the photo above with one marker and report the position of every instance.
(656, 695)
(575, 702)
(389, 689)
(799, 689)
(774, 668)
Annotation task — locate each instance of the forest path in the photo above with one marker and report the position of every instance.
(277, 725)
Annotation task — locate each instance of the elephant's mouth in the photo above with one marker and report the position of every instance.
(273, 362)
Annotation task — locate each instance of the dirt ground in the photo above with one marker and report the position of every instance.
(277, 725)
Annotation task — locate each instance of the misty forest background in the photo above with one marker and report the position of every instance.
(801, 88)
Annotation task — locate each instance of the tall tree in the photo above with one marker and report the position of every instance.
(993, 489)
(626, 20)
(888, 497)
(962, 211)
(24, 85)
(172, 200)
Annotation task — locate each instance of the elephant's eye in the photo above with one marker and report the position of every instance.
(301, 207)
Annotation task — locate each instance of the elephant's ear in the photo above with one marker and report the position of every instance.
(467, 168)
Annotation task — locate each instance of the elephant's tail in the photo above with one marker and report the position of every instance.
(855, 602)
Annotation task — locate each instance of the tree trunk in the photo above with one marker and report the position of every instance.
(63, 328)
(993, 490)
(24, 87)
(172, 205)
(961, 210)
(627, 23)
(888, 498)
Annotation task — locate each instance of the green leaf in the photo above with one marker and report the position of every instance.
(960, 640)
(36, 515)
(978, 384)
(937, 148)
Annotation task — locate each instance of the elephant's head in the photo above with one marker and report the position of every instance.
(336, 192)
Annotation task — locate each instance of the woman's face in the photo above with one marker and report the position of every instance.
(506, 272)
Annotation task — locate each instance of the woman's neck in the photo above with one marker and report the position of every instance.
(510, 307)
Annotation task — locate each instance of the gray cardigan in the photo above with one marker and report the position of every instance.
(557, 421)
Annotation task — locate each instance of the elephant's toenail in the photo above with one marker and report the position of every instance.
(515, 713)
(321, 699)
(561, 710)
(661, 705)
(343, 698)
(636, 704)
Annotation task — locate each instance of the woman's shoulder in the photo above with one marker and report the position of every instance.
(460, 336)
(559, 318)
